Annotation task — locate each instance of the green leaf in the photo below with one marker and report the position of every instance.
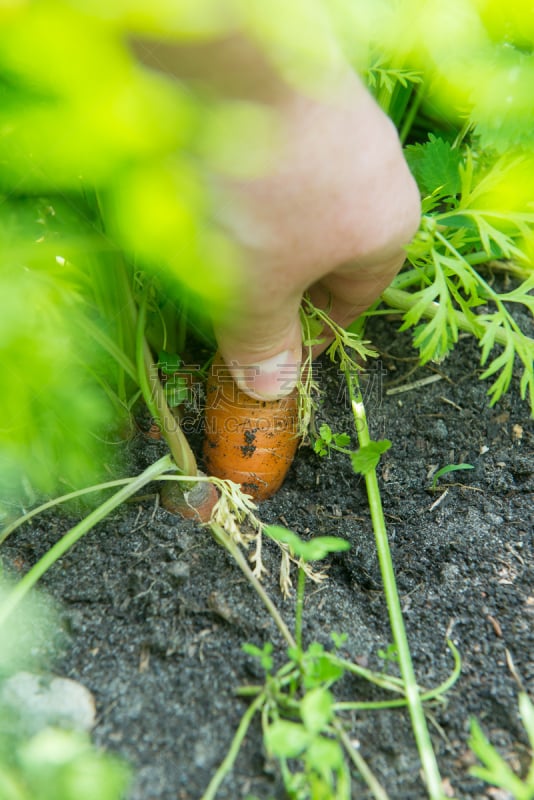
(325, 432)
(320, 448)
(319, 667)
(495, 770)
(316, 709)
(287, 739)
(447, 469)
(312, 332)
(435, 166)
(526, 709)
(281, 534)
(313, 550)
(325, 756)
(169, 363)
(328, 439)
(264, 655)
(66, 763)
(389, 654)
(366, 458)
(341, 439)
(339, 639)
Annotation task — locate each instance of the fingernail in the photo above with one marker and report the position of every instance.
(270, 379)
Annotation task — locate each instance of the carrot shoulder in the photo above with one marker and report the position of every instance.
(194, 503)
(249, 441)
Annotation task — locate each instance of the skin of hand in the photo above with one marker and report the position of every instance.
(331, 217)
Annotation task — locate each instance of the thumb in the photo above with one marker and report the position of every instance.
(263, 352)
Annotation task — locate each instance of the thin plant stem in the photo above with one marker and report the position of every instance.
(301, 580)
(410, 115)
(154, 397)
(413, 698)
(9, 529)
(431, 694)
(97, 487)
(228, 543)
(375, 787)
(233, 750)
(111, 347)
(389, 682)
(404, 301)
(29, 580)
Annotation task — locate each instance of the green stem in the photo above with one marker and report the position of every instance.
(388, 682)
(9, 529)
(413, 698)
(154, 397)
(299, 610)
(414, 277)
(377, 790)
(404, 301)
(29, 580)
(97, 487)
(431, 694)
(233, 751)
(228, 543)
(110, 346)
(411, 114)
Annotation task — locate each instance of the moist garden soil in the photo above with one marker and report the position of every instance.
(155, 612)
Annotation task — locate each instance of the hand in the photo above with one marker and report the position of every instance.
(332, 218)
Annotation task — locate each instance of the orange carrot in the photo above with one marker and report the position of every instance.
(251, 442)
(196, 503)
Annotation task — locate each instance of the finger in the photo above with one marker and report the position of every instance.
(347, 294)
(261, 343)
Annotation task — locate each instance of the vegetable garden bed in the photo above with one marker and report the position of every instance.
(155, 613)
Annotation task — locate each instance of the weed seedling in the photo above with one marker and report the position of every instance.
(313, 550)
(301, 720)
(445, 471)
(296, 705)
(494, 769)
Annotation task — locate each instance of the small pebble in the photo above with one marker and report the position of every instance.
(439, 430)
(180, 570)
(48, 700)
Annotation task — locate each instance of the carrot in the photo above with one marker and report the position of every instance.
(251, 442)
(195, 503)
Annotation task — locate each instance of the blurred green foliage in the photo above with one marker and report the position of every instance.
(39, 761)
(102, 178)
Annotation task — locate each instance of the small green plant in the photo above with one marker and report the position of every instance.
(494, 769)
(301, 719)
(325, 773)
(297, 706)
(445, 471)
(305, 552)
(389, 654)
(474, 170)
(363, 459)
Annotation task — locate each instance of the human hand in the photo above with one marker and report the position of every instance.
(331, 219)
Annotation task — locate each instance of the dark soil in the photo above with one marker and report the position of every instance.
(156, 612)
